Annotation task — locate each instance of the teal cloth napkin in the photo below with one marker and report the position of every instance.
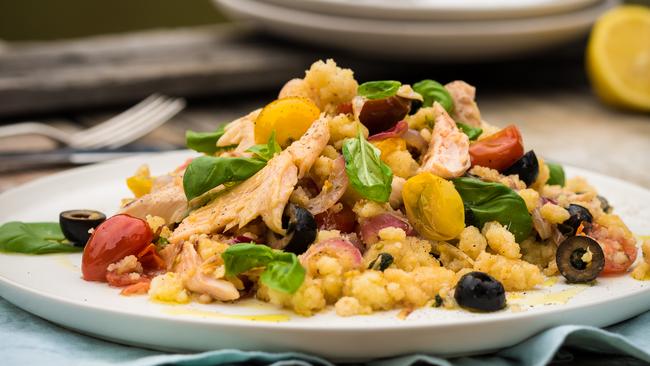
(28, 340)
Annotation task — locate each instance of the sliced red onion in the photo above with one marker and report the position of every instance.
(551, 200)
(309, 186)
(243, 239)
(333, 192)
(557, 236)
(354, 239)
(397, 131)
(369, 230)
(349, 256)
(543, 227)
(343, 220)
(414, 139)
(357, 105)
(183, 166)
(396, 186)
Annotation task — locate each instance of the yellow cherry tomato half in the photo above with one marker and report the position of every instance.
(140, 183)
(433, 207)
(288, 117)
(390, 145)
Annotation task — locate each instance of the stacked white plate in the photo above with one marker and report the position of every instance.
(468, 30)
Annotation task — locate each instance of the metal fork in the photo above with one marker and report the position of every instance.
(118, 131)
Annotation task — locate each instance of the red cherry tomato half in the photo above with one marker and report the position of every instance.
(150, 259)
(379, 115)
(498, 151)
(114, 239)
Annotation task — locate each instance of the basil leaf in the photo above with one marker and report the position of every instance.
(368, 175)
(268, 151)
(34, 238)
(207, 172)
(556, 174)
(490, 201)
(472, 132)
(433, 91)
(205, 142)
(240, 258)
(284, 274)
(378, 89)
(283, 271)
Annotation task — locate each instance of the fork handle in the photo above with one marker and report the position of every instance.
(34, 128)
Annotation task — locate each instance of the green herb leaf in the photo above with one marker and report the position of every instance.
(205, 142)
(433, 91)
(283, 271)
(206, 172)
(383, 261)
(378, 89)
(34, 238)
(490, 201)
(161, 242)
(472, 132)
(368, 175)
(284, 274)
(240, 258)
(556, 174)
(266, 151)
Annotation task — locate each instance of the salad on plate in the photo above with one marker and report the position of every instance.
(364, 197)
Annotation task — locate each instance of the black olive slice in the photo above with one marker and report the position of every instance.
(527, 168)
(604, 204)
(415, 106)
(469, 216)
(301, 229)
(75, 224)
(438, 301)
(579, 215)
(570, 258)
(379, 115)
(479, 291)
(383, 261)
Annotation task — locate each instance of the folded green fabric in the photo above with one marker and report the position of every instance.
(29, 340)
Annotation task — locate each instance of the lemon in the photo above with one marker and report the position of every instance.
(618, 57)
(288, 117)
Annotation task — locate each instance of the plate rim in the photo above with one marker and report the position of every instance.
(430, 11)
(362, 26)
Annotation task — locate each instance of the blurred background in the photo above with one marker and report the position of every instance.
(34, 20)
(29, 20)
(73, 64)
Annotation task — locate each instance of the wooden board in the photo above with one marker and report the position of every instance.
(227, 59)
(96, 71)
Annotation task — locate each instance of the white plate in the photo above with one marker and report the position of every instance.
(51, 287)
(440, 40)
(436, 9)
